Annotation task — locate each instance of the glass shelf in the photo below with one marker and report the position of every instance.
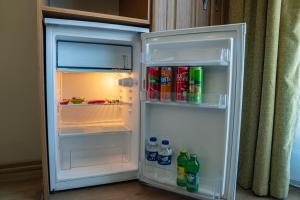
(214, 101)
(97, 104)
(71, 129)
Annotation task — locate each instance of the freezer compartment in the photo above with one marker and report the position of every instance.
(199, 131)
(187, 52)
(93, 55)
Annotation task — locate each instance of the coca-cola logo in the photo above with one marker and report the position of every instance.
(182, 77)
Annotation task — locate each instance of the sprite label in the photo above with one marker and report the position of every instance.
(192, 181)
(192, 174)
(195, 85)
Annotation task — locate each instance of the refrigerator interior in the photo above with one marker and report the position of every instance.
(201, 128)
(96, 139)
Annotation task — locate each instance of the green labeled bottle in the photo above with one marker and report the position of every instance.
(192, 174)
(182, 161)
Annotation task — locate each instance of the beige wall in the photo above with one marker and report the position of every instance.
(19, 110)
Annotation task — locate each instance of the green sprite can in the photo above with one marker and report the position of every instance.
(195, 85)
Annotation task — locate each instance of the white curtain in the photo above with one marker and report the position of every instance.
(295, 158)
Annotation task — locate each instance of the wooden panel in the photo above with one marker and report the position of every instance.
(218, 12)
(159, 15)
(43, 131)
(19, 167)
(20, 172)
(98, 6)
(185, 15)
(201, 14)
(224, 11)
(171, 14)
(90, 16)
(135, 8)
(44, 2)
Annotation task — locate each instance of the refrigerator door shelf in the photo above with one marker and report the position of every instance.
(214, 101)
(208, 187)
(188, 53)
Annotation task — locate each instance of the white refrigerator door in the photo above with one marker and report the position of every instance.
(211, 128)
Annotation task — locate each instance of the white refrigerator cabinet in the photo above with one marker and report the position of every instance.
(92, 144)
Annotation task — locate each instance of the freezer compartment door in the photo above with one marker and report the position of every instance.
(93, 55)
(208, 126)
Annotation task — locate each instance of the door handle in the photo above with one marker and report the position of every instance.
(205, 4)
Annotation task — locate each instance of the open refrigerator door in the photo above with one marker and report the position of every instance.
(200, 113)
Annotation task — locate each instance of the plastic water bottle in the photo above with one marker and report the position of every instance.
(152, 149)
(164, 153)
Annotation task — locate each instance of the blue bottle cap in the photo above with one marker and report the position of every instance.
(153, 139)
(165, 142)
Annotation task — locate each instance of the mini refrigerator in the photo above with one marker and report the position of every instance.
(100, 113)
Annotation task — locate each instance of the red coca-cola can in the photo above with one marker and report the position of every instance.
(182, 83)
(153, 83)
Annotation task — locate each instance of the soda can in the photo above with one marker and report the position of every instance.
(195, 85)
(182, 83)
(153, 83)
(166, 80)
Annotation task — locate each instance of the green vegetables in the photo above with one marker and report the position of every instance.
(76, 100)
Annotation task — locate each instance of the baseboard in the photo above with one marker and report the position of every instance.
(21, 171)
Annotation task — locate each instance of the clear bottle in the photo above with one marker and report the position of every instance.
(164, 153)
(151, 149)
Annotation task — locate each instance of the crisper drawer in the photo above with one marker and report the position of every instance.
(94, 149)
(93, 55)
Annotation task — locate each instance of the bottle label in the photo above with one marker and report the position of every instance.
(164, 160)
(151, 156)
(181, 173)
(193, 179)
